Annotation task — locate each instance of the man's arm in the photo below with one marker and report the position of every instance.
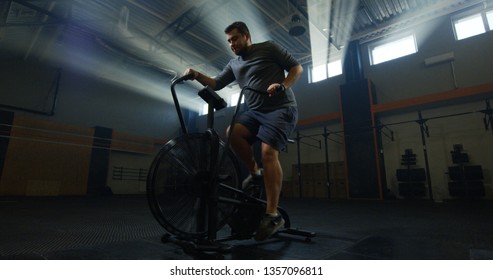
(203, 79)
(293, 76)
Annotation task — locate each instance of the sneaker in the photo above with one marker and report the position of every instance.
(253, 179)
(268, 226)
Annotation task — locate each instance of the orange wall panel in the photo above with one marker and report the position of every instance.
(46, 159)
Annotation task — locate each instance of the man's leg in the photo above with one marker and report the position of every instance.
(272, 220)
(272, 177)
(242, 147)
(270, 159)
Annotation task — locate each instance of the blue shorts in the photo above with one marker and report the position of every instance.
(272, 127)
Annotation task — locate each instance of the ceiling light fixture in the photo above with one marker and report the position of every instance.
(296, 26)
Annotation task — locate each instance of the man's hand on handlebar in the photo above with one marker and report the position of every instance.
(194, 74)
(199, 77)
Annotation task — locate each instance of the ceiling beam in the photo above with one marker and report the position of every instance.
(189, 19)
(38, 9)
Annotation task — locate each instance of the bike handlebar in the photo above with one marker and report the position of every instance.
(183, 78)
(175, 100)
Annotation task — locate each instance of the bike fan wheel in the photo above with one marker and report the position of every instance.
(177, 183)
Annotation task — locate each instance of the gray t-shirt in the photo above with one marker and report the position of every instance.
(263, 65)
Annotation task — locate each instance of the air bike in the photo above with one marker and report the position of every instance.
(194, 188)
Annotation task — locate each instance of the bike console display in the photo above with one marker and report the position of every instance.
(212, 98)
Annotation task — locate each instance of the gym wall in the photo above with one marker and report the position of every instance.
(406, 78)
(61, 142)
(46, 158)
(38, 163)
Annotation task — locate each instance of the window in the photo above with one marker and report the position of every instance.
(319, 73)
(205, 110)
(389, 50)
(335, 68)
(233, 99)
(325, 71)
(469, 25)
(489, 18)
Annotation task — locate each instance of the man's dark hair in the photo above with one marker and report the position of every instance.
(241, 26)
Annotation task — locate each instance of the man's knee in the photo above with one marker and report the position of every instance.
(239, 132)
(269, 153)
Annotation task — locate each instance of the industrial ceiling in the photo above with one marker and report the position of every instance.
(173, 35)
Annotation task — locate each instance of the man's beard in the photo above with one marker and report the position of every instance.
(240, 51)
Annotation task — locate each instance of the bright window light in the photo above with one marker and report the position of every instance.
(489, 17)
(391, 50)
(319, 73)
(325, 71)
(335, 68)
(205, 109)
(233, 100)
(469, 26)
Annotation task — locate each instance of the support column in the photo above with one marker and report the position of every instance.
(362, 141)
(6, 121)
(100, 159)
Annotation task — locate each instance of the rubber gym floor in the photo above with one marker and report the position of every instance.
(123, 228)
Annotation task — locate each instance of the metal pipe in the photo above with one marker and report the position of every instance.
(55, 96)
(422, 122)
(452, 66)
(299, 162)
(38, 31)
(327, 169)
